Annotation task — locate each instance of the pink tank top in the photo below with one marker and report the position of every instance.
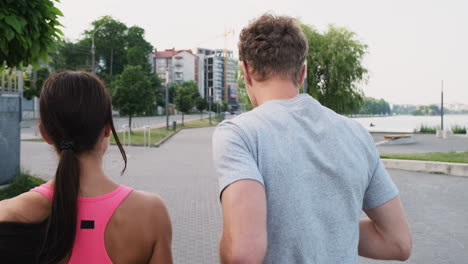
(93, 215)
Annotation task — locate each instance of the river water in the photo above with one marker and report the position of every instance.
(407, 123)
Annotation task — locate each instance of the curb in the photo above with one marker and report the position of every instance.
(162, 141)
(448, 168)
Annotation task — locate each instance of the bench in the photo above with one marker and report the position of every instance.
(393, 137)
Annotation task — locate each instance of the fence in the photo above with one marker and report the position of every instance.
(11, 82)
(11, 91)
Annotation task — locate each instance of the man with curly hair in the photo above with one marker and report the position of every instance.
(295, 176)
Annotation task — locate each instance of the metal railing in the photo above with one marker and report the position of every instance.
(11, 82)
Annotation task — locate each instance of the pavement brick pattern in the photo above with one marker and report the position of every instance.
(181, 172)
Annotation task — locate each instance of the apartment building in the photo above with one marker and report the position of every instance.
(181, 65)
(219, 75)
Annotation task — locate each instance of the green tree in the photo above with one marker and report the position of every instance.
(224, 107)
(28, 30)
(201, 104)
(72, 56)
(33, 84)
(132, 92)
(138, 48)
(185, 97)
(159, 90)
(372, 106)
(110, 38)
(427, 110)
(244, 99)
(335, 68)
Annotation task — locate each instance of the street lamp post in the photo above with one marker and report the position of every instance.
(93, 48)
(210, 99)
(167, 99)
(442, 106)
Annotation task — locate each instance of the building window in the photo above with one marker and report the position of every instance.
(179, 75)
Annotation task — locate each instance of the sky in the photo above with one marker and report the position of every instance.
(412, 44)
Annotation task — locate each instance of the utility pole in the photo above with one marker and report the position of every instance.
(442, 106)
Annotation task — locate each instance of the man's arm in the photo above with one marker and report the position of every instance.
(385, 234)
(244, 238)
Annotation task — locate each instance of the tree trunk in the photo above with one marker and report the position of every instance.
(201, 115)
(130, 123)
(182, 118)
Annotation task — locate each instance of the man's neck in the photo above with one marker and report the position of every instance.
(275, 89)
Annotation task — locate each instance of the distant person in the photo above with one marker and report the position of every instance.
(81, 216)
(295, 176)
(372, 125)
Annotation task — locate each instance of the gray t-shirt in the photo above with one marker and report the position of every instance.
(319, 170)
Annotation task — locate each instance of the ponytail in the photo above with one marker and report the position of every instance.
(62, 222)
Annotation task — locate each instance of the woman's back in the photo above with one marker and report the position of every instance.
(122, 226)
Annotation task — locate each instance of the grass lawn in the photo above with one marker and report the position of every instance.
(456, 157)
(21, 184)
(159, 134)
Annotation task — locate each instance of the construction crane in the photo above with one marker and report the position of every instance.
(226, 34)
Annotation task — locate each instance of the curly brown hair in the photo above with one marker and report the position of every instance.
(273, 45)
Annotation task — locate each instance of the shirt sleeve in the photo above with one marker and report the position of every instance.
(232, 157)
(381, 188)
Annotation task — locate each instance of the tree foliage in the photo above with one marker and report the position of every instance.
(185, 97)
(243, 97)
(138, 48)
(159, 90)
(372, 106)
(110, 42)
(132, 93)
(29, 30)
(33, 84)
(201, 105)
(427, 110)
(118, 45)
(335, 68)
(72, 56)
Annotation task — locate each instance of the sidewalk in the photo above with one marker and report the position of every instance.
(29, 131)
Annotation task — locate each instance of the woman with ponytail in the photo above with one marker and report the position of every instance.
(81, 216)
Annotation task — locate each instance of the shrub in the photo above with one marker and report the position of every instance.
(22, 183)
(425, 129)
(456, 129)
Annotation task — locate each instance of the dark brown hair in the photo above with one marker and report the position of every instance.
(273, 45)
(74, 109)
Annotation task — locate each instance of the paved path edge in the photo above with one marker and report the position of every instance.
(447, 168)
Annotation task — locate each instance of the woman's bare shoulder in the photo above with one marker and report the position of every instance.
(151, 207)
(145, 202)
(29, 207)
